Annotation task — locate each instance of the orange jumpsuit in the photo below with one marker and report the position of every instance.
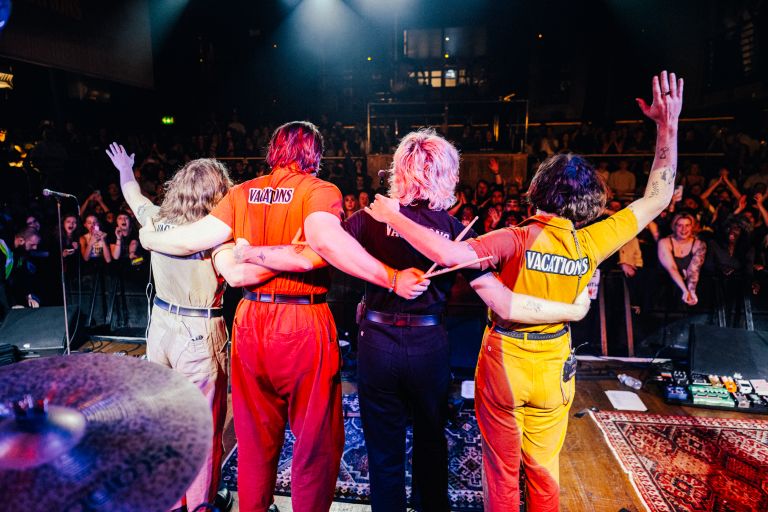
(285, 356)
(521, 399)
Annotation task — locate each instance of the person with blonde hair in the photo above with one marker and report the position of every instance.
(682, 254)
(403, 354)
(186, 331)
(524, 383)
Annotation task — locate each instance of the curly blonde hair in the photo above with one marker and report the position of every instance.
(425, 167)
(193, 192)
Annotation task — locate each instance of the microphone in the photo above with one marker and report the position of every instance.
(53, 193)
(383, 173)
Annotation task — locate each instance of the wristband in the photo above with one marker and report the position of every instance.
(392, 275)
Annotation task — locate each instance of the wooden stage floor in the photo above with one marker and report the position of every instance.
(591, 478)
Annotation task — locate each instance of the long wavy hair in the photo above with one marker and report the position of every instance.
(425, 167)
(193, 192)
(568, 186)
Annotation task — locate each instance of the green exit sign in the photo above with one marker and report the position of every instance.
(167, 120)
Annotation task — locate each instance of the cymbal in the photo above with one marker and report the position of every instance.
(120, 434)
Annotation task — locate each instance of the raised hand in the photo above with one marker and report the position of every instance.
(383, 208)
(120, 158)
(667, 99)
(493, 165)
(410, 284)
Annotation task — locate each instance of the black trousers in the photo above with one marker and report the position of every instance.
(405, 371)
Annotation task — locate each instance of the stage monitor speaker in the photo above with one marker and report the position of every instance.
(725, 351)
(37, 332)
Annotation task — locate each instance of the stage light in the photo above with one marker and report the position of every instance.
(165, 15)
(274, 45)
(540, 36)
(446, 55)
(168, 120)
(370, 59)
(447, 38)
(5, 12)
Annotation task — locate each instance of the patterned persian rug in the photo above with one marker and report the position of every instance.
(352, 485)
(687, 464)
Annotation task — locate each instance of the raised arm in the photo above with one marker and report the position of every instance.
(128, 184)
(441, 250)
(759, 198)
(704, 195)
(728, 183)
(326, 237)
(525, 308)
(664, 111)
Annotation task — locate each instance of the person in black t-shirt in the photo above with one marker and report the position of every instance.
(403, 359)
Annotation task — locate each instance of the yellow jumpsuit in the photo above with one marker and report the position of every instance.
(521, 399)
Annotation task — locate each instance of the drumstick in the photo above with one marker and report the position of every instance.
(430, 275)
(296, 241)
(457, 239)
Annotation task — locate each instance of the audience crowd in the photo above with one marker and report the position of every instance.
(706, 251)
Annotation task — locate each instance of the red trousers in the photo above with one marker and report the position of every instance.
(285, 367)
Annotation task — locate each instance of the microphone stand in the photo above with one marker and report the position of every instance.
(63, 279)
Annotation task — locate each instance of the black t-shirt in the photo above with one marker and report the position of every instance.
(386, 245)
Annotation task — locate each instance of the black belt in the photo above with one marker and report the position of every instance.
(281, 298)
(403, 319)
(188, 311)
(530, 335)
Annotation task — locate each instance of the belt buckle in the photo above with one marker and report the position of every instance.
(400, 320)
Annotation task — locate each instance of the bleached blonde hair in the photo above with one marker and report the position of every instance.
(425, 167)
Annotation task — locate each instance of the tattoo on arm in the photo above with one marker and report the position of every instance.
(654, 189)
(699, 251)
(532, 305)
(261, 256)
(663, 152)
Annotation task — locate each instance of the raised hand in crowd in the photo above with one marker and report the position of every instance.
(742, 205)
(493, 166)
(94, 197)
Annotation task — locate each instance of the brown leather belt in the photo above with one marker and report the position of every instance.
(281, 298)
